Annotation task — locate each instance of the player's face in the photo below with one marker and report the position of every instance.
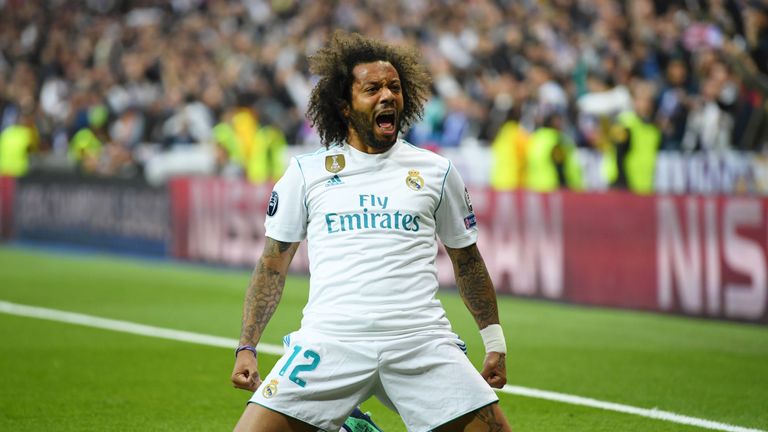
(376, 105)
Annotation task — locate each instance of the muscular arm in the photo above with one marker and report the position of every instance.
(265, 289)
(476, 289)
(261, 299)
(475, 285)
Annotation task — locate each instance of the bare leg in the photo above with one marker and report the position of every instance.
(487, 419)
(256, 418)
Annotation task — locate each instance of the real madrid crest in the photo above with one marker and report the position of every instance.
(335, 163)
(270, 389)
(414, 180)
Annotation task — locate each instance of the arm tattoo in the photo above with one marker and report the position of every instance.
(475, 285)
(265, 289)
(487, 416)
(501, 367)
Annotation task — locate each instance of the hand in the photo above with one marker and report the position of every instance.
(495, 369)
(246, 373)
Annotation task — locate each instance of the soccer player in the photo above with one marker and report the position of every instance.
(371, 207)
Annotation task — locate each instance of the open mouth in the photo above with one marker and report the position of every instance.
(386, 123)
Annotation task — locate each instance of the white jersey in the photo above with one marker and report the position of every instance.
(371, 222)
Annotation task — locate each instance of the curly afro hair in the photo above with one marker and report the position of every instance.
(334, 63)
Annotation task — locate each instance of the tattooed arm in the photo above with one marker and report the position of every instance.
(476, 290)
(475, 285)
(261, 299)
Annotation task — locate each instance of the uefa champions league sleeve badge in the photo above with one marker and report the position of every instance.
(468, 200)
(274, 200)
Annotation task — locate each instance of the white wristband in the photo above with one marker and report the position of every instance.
(493, 339)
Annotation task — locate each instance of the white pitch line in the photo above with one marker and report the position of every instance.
(627, 409)
(127, 327)
(217, 341)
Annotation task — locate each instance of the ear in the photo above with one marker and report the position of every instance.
(344, 108)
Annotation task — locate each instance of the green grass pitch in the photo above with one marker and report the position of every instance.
(63, 377)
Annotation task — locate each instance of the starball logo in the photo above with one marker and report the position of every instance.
(375, 217)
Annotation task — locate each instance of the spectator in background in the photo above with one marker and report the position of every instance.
(510, 150)
(230, 161)
(456, 124)
(191, 123)
(674, 103)
(247, 145)
(129, 128)
(636, 149)
(602, 101)
(550, 163)
(125, 135)
(710, 125)
(267, 159)
(550, 97)
(427, 132)
(87, 145)
(16, 143)
(756, 28)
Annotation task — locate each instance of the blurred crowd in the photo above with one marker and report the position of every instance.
(105, 85)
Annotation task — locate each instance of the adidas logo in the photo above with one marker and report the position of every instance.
(334, 181)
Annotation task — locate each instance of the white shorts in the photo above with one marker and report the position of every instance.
(426, 379)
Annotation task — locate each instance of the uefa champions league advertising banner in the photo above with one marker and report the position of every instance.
(7, 186)
(112, 214)
(696, 255)
(693, 255)
(217, 220)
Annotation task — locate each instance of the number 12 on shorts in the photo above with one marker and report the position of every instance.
(294, 376)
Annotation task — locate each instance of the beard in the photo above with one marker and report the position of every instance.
(364, 129)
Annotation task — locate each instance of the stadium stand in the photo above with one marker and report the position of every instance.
(632, 90)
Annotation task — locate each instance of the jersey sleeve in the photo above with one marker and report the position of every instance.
(286, 219)
(455, 219)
